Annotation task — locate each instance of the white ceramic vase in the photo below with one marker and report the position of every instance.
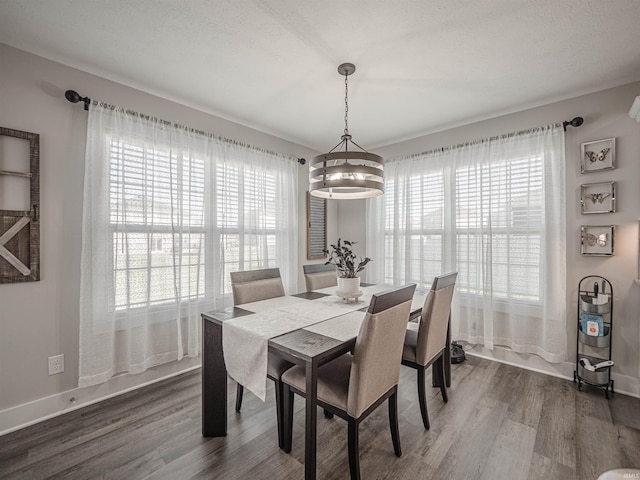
(348, 285)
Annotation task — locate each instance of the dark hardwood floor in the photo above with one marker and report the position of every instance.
(501, 422)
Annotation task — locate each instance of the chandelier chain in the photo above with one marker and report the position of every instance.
(346, 104)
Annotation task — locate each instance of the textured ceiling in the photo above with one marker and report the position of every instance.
(422, 65)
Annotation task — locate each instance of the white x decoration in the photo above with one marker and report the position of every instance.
(6, 254)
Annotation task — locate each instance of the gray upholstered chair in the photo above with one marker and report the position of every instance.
(253, 286)
(353, 386)
(425, 346)
(318, 275)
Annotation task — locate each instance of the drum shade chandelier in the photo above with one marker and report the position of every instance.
(344, 174)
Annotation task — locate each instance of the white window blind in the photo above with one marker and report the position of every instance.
(246, 219)
(414, 227)
(499, 220)
(151, 192)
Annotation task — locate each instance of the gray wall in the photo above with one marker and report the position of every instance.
(606, 115)
(40, 319)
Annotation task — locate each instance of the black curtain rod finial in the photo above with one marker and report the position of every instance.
(74, 97)
(302, 161)
(574, 122)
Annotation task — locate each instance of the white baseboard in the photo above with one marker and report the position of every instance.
(622, 383)
(26, 414)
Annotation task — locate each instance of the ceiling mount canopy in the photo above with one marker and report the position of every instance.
(342, 173)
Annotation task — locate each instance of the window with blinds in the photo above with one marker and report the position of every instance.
(414, 228)
(498, 220)
(146, 186)
(159, 233)
(245, 219)
(494, 223)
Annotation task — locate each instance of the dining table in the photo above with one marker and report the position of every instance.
(309, 329)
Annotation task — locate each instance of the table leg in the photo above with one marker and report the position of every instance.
(214, 381)
(311, 420)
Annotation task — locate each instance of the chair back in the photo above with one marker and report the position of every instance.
(432, 332)
(378, 350)
(318, 275)
(255, 285)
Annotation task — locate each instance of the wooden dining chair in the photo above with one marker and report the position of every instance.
(252, 286)
(353, 386)
(318, 275)
(425, 343)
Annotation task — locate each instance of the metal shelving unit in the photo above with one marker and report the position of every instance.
(595, 311)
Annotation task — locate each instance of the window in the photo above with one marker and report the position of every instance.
(494, 211)
(145, 186)
(169, 212)
(414, 228)
(497, 207)
(246, 219)
(499, 219)
(147, 246)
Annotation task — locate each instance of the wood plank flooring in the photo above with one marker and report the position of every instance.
(501, 422)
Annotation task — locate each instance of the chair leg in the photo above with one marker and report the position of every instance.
(354, 455)
(287, 414)
(422, 397)
(443, 384)
(239, 391)
(393, 423)
(279, 400)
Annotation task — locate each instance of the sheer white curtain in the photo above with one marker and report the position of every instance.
(493, 210)
(168, 213)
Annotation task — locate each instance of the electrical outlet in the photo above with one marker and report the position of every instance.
(56, 364)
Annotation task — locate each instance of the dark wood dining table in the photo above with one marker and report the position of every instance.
(300, 346)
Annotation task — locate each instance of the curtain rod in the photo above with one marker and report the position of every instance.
(574, 122)
(75, 97)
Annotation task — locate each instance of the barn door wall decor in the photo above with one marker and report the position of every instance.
(19, 206)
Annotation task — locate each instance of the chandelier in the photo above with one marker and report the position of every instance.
(344, 174)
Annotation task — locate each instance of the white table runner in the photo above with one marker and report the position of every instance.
(341, 328)
(245, 339)
(271, 304)
(347, 326)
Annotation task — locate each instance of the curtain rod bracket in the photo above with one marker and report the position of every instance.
(75, 97)
(302, 161)
(574, 122)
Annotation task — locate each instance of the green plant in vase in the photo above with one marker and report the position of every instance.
(348, 265)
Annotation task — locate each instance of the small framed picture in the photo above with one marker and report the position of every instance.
(598, 197)
(596, 240)
(598, 155)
